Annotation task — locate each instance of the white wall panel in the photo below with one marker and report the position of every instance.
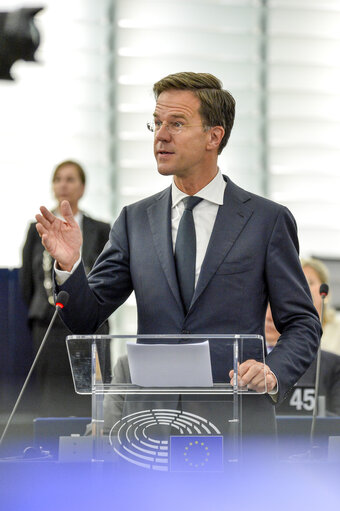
(303, 118)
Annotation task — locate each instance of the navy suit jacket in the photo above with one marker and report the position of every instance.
(252, 257)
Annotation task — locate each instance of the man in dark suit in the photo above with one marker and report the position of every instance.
(54, 391)
(247, 248)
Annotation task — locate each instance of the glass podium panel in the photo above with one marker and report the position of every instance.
(165, 402)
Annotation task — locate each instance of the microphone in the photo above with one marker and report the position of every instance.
(61, 302)
(324, 289)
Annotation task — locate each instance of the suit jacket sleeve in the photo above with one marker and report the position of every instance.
(292, 308)
(95, 236)
(94, 299)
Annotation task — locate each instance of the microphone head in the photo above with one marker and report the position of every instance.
(324, 288)
(62, 299)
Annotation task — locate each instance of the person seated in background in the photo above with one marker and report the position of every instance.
(54, 392)
(301, 398)
(316, 274)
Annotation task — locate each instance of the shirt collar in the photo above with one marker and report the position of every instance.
(212, 192)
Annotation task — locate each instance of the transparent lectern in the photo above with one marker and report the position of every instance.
(164, 402)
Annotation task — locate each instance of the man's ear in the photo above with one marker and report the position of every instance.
(216, 134)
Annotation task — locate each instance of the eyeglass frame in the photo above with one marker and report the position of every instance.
(152, 125)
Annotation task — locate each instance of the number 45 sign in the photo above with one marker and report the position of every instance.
(303, 399)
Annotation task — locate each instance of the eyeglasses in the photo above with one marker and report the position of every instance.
(173, 127)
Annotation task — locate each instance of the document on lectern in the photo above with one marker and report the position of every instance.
(170, 365)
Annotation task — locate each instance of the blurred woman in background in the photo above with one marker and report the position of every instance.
(54, 393)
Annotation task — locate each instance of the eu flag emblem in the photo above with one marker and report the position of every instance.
(196, 453)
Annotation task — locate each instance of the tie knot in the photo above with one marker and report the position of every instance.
(191, 202)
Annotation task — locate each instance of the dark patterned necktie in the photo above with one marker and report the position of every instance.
(185, 252)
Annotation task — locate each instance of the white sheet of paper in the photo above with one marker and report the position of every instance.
(170, 365)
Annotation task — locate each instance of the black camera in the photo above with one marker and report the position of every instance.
(19, 38)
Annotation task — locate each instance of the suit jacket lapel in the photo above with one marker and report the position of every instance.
(231, 218)
(159, 214)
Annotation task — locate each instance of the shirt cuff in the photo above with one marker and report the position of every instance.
(62, 276)
(274, 393)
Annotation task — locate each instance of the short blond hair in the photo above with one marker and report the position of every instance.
(322, 272)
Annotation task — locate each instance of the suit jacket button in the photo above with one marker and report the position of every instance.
(185, 332)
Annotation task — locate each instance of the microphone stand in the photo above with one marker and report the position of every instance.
(61, 301)
(323, 294)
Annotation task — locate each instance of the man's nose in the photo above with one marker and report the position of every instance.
(163, 133)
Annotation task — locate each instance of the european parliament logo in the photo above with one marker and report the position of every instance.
(196, 453)
(143, 439)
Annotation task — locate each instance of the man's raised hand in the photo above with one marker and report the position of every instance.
(62, 239)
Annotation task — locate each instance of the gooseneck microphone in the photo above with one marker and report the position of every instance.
(61, 302)
(324, 289)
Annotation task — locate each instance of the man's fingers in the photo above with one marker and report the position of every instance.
(66, 211)
(245, 366)
(257, 379)
(47, 214)
(45, 240)
(41, 229)
(46, 218)
(263, 384)
(255, 375)
(41, 220)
